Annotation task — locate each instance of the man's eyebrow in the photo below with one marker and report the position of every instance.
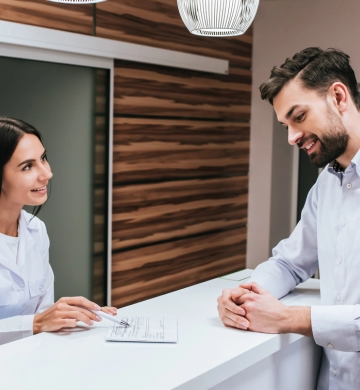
(288, 115)
(30, 160)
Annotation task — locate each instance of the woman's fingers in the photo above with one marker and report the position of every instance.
(92, 316)
(68, 323)
(80, 301)
(65, 313)
(109, 310)
(78, 316)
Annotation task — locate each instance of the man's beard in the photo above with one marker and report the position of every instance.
(332, 144)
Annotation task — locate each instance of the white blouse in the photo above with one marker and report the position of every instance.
(26, 278)
(9, 245)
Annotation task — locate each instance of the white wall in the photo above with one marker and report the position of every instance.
(282, 28)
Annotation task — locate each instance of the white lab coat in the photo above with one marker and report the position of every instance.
(26, 288)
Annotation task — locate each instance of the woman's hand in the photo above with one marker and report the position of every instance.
(109, 310)
(66, 312)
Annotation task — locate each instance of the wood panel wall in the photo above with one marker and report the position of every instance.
(181, 155)
(181, 146)
(67, 17)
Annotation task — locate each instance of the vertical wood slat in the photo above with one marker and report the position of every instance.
(67, 17)
(100, 184)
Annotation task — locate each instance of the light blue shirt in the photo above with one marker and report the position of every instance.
(326, 238)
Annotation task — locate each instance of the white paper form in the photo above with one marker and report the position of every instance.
(146, 329)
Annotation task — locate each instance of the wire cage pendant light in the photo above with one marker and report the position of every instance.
(217, 18)
(77, 1)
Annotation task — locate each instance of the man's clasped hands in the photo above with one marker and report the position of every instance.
(250, 307)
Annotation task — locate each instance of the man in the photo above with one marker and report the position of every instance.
(315, 96)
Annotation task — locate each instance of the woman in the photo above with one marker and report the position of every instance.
(26, 278)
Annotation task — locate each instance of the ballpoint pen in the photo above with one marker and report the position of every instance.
(109, 317)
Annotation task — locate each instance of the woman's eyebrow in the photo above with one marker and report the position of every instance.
(26, 162)
(31, 159)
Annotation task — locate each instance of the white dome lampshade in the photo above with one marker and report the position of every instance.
(77, 1)
(217, 18)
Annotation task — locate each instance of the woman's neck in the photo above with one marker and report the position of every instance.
(9, 217)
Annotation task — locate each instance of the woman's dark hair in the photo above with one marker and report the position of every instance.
(317, 69)
(11, 132)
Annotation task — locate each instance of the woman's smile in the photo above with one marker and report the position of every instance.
(41, 190)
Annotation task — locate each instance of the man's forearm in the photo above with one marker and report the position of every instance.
(297, 320)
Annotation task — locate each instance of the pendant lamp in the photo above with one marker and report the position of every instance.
(217, 18)
(77, 1)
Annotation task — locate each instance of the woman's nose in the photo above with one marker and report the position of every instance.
(46, 173)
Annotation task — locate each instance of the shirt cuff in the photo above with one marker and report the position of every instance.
(335, 327)
(27, 325)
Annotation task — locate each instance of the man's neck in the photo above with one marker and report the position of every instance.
(353, 146)
(345, 159)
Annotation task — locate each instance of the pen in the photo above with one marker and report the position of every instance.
(109, 317)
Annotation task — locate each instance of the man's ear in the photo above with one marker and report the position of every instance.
(339, 94)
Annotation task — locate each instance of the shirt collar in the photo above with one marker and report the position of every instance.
(355, 162)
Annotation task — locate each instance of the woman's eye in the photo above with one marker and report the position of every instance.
(44, 157)
(27, 167)
(300, 117)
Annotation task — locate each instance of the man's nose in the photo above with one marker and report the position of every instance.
(294, 135)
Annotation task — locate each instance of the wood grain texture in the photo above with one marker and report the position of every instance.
(148, 213)
(67, 17)
(181, 155)
(164, 149)
(158, 23)
(100, 185)
(148, 272)
(151, 90)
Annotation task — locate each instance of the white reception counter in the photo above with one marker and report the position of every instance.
(207, 355)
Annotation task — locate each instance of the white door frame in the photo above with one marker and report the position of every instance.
(43, 44)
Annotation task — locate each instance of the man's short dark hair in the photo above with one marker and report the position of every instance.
(317, 69)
